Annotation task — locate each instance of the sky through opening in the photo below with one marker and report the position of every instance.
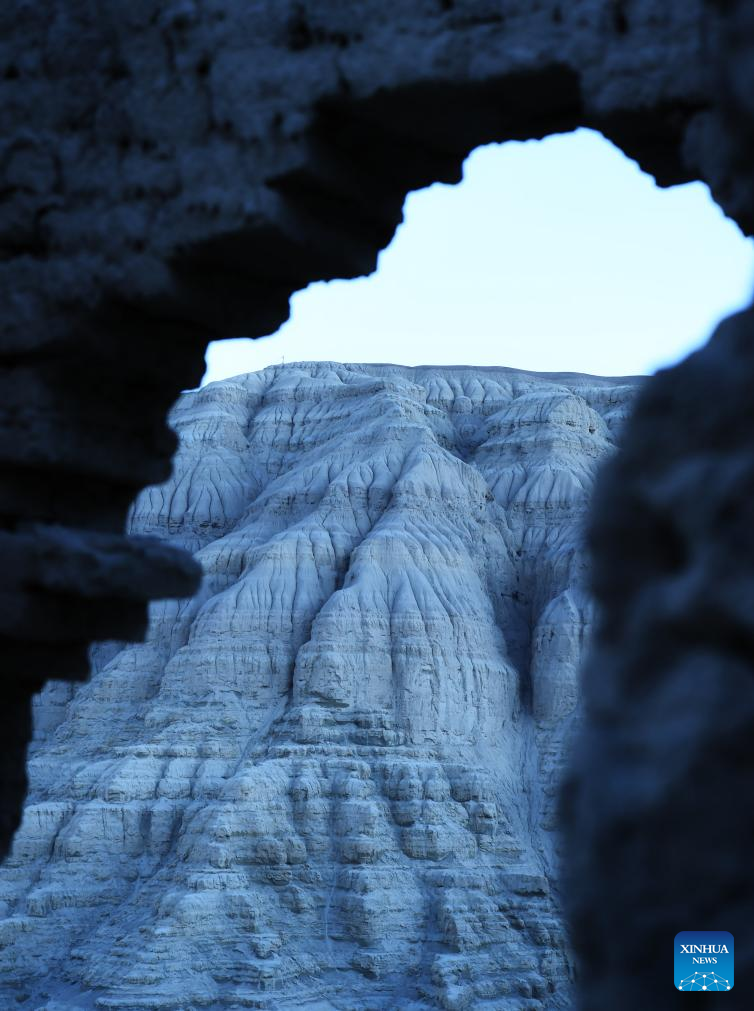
(552, 255)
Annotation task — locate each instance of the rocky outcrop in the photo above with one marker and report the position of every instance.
(328, 780)
(172, 171)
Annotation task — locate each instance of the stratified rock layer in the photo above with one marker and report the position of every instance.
(328, 781)
(171, 171)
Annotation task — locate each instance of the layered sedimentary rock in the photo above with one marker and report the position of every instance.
(328, 780)
(172, 171)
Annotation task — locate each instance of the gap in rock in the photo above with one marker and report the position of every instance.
(550, 255)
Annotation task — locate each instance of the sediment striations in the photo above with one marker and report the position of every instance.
(327, 781)
(172, 171)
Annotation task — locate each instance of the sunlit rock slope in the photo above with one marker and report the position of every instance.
(327, 782)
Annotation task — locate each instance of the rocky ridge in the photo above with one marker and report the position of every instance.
(327, 781)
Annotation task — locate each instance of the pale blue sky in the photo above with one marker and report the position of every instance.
(551, 255)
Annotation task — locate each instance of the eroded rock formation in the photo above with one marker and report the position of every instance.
(328, 780)
(172, 171)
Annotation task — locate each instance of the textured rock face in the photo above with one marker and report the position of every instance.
(328, 781)
(172, 171)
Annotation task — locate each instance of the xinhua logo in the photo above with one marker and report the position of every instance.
(703, 960)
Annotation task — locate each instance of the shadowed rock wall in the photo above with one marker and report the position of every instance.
(657, 812)
(171, 172)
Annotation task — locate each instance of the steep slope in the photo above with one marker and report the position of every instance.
(327, 782)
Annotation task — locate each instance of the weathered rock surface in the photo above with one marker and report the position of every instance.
(172, 171)
(327, 781)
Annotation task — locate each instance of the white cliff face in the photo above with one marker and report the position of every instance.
(328, 781)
